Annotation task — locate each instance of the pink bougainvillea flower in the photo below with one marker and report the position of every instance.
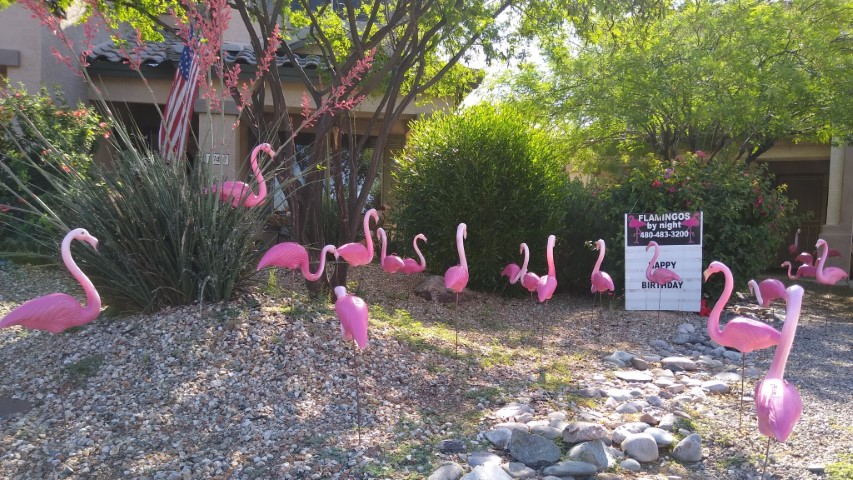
(701, 154)
(656, 183)
(66, 168)
(671, 189)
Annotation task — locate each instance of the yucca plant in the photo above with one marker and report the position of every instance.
(163, 240)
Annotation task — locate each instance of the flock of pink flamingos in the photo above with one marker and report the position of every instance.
(777, 402)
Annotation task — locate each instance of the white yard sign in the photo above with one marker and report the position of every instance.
(679, 239)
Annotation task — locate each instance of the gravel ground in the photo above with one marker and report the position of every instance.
(264, 387)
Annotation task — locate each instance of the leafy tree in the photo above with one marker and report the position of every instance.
(417, 47)
(716, 76)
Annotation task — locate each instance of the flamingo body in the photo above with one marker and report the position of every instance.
(778, 404)
(57, 312)
(659, 276)
(511, 272)
(530, 281)
(548, 283)
(456, 277)
(601, 281)
(352, 313)
(410, 265)
(827, 275)
(389, 263)
(741, 333)
(767, 291)
(355, 253)
(294, 256)
(240, 193)
(802, 271)
(805, 258)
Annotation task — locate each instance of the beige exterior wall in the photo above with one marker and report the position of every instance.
(22, 33)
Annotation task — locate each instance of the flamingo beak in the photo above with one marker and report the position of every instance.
(707, 273)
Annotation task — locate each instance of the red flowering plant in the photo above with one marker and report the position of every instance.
(744, 212)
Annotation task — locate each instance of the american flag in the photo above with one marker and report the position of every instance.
(178, 112)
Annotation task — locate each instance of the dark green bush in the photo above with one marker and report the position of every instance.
(490, 168)
(745, 217)
(162, 241)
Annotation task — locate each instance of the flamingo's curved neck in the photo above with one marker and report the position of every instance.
(367, 234)
(93, 300)
(652, 262)
(418, 252)
(460, 247)
(384, 239)
(824, 251)
(790, 277)
(786, 340)
(313, 277)
(552, 272)
(600, 259)
(753, 287)
(523, 269)
(262, 185)
(714, 318)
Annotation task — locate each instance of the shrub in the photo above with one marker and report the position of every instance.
(39, 132)
(488, 167)
(162, 241)
(744, 216)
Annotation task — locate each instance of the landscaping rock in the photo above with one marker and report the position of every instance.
(483, 458)
(533, 450)
(487, 472)
(689, 449)
(499, 437)
(641, 447)
(578, 469)
(519, 470)
(591, 452)
(632, 376)
(578, 432)
(451, 471)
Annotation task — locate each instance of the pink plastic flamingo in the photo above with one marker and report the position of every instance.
(410, 265)
(293, 255)
(547, 284)
(805, 258)
(352, 313)
(239, 193)
(601, 281)
(659, 276)
(456, 277)
(827, 275)
(512, 271)
(741, 333)
(636, 225)
(692, 222)
(529, 280)
(57, 312)
(767, 291)
(389, 263)
(792, 248)
(778, 405)
(355, 253)
(802, 270)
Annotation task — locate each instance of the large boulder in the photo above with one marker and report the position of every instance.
(533, 450)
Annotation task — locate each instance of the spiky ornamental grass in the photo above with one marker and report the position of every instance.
(163, 241)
